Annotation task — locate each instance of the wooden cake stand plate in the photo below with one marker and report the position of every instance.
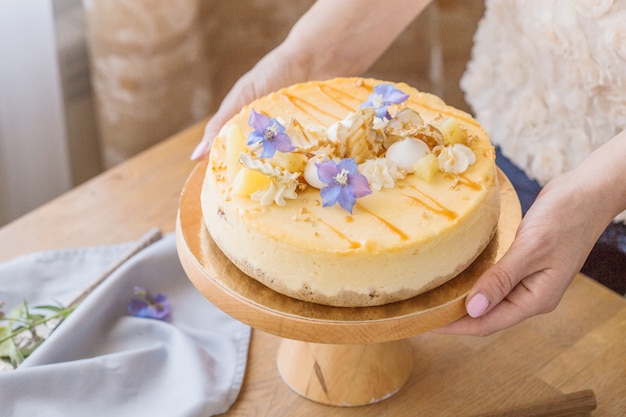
(332, 355)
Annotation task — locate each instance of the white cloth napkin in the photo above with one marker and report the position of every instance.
(103, 362)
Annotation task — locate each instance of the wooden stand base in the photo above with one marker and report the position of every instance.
(345, 375)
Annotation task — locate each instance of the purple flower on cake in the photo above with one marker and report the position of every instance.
(268, 132)
(383, 96)
(146, 305)
(345, 184)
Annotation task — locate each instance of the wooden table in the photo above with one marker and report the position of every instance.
(582, 344)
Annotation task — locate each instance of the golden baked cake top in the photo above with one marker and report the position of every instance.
(395, 163)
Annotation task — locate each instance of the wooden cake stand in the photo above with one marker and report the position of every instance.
(332, 355)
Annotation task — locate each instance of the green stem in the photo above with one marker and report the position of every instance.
(62, 313)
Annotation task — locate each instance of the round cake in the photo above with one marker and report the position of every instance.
(351, 192)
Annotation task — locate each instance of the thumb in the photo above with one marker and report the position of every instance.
(498, 281)
(211, 130)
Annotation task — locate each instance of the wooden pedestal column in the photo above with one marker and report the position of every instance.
(345, 375)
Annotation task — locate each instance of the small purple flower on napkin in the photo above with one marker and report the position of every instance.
(345, 184)
(144, 304)
(383, 96)
(270, 133)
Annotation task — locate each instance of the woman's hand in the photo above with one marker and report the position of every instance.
(270, 74)
(551, 245)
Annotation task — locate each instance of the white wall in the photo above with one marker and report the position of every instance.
(34, 165)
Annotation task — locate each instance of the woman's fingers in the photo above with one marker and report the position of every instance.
(536, 294)
(211, 130)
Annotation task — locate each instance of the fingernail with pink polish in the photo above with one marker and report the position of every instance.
(200, 150)
(477, 305)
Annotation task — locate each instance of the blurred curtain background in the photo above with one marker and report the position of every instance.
(86, 84)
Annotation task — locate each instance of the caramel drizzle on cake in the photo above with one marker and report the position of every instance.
(432, 204)
(349, 219)
(335, 95)
(456, 115)
(295, 100)
(463, 180)
(384, 222)
(351, 243)
(332, 94)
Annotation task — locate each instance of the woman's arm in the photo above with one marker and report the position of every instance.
(333, 38)
(346, 37)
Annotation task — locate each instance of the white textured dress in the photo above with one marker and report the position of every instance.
(547, 80)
